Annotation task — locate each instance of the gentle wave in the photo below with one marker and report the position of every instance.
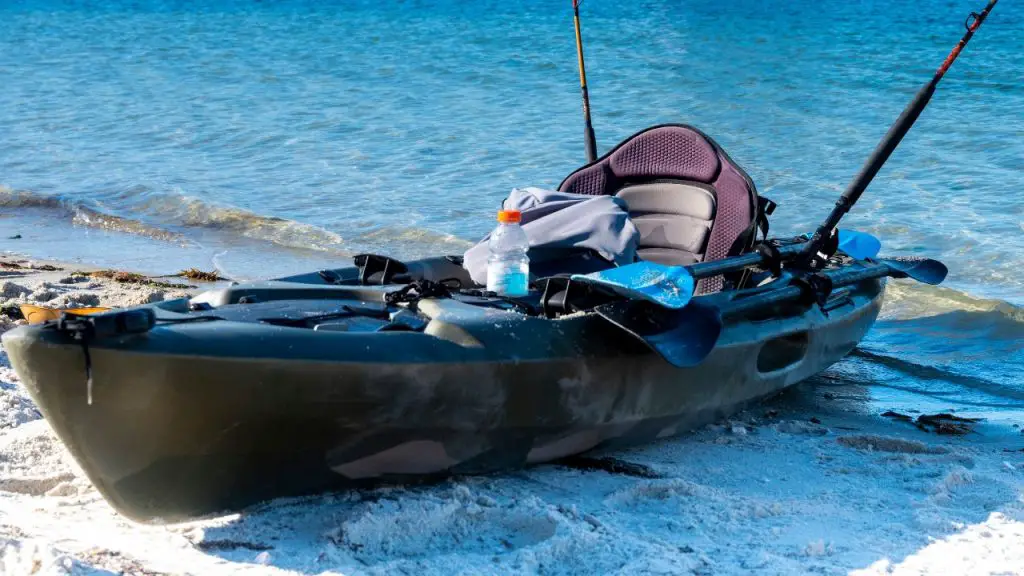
(83, 215)
(418, 241)
(95, 219)
(21, 199)
(192, 212)
(160, 214)
(179, 211)
(909, 300)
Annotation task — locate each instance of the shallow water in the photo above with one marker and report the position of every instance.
(269, 138)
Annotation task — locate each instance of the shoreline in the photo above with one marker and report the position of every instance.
(56, 284)
(815, 480)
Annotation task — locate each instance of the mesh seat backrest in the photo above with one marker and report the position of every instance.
(688, 199)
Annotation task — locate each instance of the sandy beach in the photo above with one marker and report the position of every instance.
(815, 481)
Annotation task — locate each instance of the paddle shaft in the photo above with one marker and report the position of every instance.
(589, 140)
(888, 143)
(839, 278)
(737, 263)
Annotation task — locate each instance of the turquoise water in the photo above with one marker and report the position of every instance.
(272, 137)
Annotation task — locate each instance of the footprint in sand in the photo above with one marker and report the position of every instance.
(433, 526)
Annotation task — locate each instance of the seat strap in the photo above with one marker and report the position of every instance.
(765, 208)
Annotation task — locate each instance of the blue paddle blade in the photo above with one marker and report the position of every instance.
(859, 245)
(682, 337)
(921, 269)
(667, 286)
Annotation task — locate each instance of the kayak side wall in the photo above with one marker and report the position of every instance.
(171, 437)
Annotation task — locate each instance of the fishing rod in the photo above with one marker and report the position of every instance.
(888, 143)
(801, 256)
(804, 254)
(588, 135)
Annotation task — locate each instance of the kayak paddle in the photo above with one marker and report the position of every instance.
(672, 286)
(684, 337)
(819, 286)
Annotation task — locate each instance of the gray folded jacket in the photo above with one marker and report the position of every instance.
(565, 231)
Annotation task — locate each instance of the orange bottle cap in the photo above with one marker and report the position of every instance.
(509, 216)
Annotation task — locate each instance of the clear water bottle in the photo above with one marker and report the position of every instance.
(508, 266)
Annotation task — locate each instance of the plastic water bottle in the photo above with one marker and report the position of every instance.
(508, 266)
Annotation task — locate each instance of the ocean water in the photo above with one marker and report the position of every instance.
(270, 137)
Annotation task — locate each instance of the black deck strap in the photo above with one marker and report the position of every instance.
(772, 257)
(765, 208)
(416, 291)
(370, 264)
(88, 369)
(83, 329)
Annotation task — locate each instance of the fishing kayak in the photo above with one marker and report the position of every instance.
(190, 407)
(409, 371)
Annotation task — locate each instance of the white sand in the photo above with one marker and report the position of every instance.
(769, 492)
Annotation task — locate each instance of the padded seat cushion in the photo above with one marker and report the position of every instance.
(672, 217)
(670, 198)
(667, 256)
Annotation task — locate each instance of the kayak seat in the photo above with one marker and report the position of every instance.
(673, 219)
(689, 201)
